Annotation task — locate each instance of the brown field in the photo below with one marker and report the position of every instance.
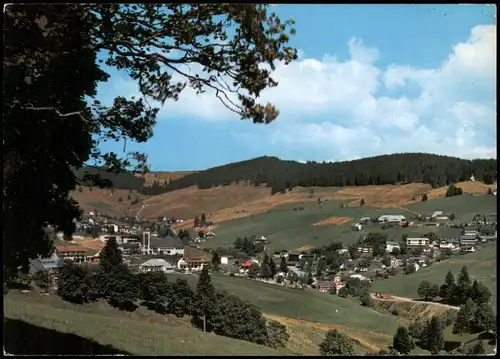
(108, 201)
(333, 221)
(467, 187)
(242, 200)
(150, 177)
(371, 341)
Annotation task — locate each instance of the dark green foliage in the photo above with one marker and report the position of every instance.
(424, 289)
(215, 260)
(283, 265)
(463, 286)
(265, 268)
(336, 343)
(367, 300)
(380, 170)
(110, 256)
(483, 318)
(247, 246)
(196, 222)
(434, 339)
(75, 284)
(417, 330)
(272, 267)
(479, 293)
(448, 289)
(461, 324)
(362, 202)
(184, 236)
(453, 191)
(357, 287)
(155, 291)
(181, 301)
(203, 219)
(277, 336)
(42, 279)
(50, 126)
(121, 288)
(237, 319)
(402, 341)
(343, 292)
(205, 302)
(424, 197)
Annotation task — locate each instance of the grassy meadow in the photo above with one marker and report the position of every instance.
(292, 230)
(480, 264)
(307, 305)
(36, 324)
(289, 229)
(464, 207)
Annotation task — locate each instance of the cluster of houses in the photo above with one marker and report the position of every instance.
(165, 254)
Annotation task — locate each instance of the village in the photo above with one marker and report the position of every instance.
(325, 270)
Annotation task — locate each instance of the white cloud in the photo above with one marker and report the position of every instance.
(335, 107)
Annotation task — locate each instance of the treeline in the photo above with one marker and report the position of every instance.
(281, 175)
(210, 310)
(475, 316)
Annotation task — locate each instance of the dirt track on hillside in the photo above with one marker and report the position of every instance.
(403, 299)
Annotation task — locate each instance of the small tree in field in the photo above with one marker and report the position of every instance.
(336, 343)
(402, 341)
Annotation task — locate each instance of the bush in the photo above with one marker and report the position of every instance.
(343, 292)
(276, 334)
(367, 300)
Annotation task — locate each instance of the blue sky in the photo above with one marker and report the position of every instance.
(370, 80)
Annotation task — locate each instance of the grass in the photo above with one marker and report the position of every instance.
(464, 207)
(289, 229)
(480, 264)
(310, 306)
(46, 323)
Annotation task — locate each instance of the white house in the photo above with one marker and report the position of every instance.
(390, 245)
(422, 241)
(359, 276)
(192, 264)
(226, 259)
(166, 246)
(391, 218)
(445, 244)
(156, 265)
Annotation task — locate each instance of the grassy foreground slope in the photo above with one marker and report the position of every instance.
(348, 316)
(50, 326)
(480, 264)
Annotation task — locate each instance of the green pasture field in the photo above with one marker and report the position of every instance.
(288, 229)
(306, 305)
(480, 264)
(37, 324)
(464, 207)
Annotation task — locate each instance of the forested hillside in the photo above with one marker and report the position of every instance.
(403, 168)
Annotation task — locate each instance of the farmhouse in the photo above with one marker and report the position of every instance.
(50, 264)
(156, 265)
(471, 232)
(74, 253)
(92, 255)
(227, 260)
(390, 218)
(468, 240)
(422, 241)
(391, 245)
(163, 246)
(324, 286)
(447, 244)
(192, 263)
(468, 249)
(365, 249)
